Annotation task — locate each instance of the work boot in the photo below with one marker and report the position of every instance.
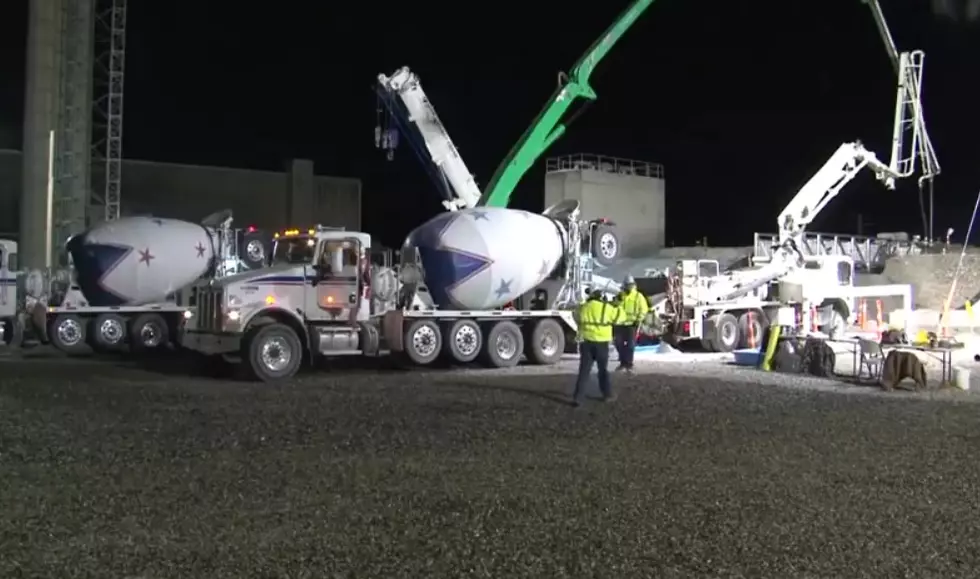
(620, 368)
(610, 398)
(630, 370)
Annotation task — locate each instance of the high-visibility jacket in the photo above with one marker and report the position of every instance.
(634, 305)
(596, 319)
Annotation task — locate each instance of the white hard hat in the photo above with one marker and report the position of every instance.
(628, 280)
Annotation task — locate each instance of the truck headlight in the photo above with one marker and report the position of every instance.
(234, 315)
(188, 314)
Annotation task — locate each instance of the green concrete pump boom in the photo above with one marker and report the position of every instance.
(547, 127)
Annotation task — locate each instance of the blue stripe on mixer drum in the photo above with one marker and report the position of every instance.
(93, 263)
(447, 268)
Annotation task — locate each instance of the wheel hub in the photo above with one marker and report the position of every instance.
(728, 333)
(506, 346)
(150, 335)
(69, 332)
(607, 245)
(111, 331)
(276, 354)
(548, 344)
(466, 340)
(424, 341)
(255, 251)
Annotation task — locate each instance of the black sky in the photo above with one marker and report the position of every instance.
(741, 101)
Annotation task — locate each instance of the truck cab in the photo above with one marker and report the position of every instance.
(8, 290)
(314, 296)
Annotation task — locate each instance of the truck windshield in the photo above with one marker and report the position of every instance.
(294, 250)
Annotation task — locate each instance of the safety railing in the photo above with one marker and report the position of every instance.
(868, 253)
(603, 164)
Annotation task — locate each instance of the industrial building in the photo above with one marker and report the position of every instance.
(267, 199)
(629, 193)
(71, 173)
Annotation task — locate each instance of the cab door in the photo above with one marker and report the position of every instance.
(336, 291)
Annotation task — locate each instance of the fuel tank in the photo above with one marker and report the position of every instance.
(139, 260)
(482, 258)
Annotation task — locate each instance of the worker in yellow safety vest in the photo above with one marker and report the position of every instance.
(596, 318)
(635, 307)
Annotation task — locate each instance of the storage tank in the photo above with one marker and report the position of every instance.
(139, 260)
(482, 258)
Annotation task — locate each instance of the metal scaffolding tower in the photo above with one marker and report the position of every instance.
(109, 69)
(72, 162)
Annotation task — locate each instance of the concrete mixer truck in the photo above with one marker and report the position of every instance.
(130, 281)
(487, 284)
(11, 320)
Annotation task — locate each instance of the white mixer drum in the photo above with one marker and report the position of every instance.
(139, 260)
(482, 258)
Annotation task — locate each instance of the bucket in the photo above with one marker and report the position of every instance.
(961, 378)
(747, 357)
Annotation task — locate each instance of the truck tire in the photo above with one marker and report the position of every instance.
(148, 332)
(725, 334)
(67, 333)
(463, 341)
(13, 332)
(503, 345)
(273, 352)
(254, 249)
(108, 332)
(423, 342)
(546, 343)
(606, 245)
(837, 327)
(750, 326)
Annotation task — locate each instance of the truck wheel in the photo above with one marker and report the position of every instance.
(605, 245)
(837, 327)
(13, 332)
(503, 346)
(726, 335)
(546, 343)
(463, 341)
(273, 352)
(423, 342)
(67, 333)
(254, 249)
(108, 332)
(750, 326)
(148, 332)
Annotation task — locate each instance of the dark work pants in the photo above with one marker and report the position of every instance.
(593, 353)
(625, 339)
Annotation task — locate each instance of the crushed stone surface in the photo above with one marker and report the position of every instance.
(698, 470)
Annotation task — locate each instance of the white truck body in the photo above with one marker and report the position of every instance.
(141, 273)
(316, 300)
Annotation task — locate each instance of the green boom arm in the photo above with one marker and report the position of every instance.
(547, 127)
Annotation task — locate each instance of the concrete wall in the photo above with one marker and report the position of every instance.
(42, 104)
(267, 199)
(630, 193)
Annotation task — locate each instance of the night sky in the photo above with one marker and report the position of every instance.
(741, 101)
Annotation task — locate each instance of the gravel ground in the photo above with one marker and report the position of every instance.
(697, 471)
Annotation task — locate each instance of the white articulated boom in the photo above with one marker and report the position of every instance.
(405, 85)
(846, 162)
(911, 145)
